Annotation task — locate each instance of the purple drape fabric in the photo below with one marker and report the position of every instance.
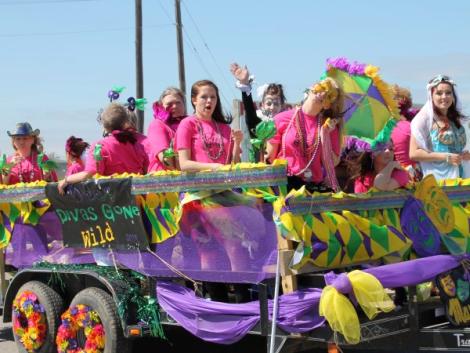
(227, 323)
(413, 272)
(298, 311)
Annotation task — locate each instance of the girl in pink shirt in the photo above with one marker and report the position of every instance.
(168, 112)
(205, 140)
(74, 148)
(28, 147)
(308, 137)
(377, 169)
(118, 152)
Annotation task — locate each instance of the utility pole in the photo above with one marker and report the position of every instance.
(179, 42)
(139, 66)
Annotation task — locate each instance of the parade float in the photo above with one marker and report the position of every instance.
(103, 264)
(119, 258)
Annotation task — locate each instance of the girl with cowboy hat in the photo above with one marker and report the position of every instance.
(25, 166)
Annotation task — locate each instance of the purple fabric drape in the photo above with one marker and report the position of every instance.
(413, 272)
(298, 311)
(227, 323)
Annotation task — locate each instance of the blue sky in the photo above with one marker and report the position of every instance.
(60, 57)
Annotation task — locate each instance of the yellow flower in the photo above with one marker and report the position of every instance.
(371, 71)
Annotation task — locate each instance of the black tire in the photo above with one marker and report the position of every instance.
(101, 302)
(53, 306)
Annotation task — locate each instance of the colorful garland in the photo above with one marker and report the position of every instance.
(29, 321)
(80, 317)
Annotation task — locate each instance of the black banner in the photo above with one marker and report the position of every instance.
(99, 213)
(454, 290)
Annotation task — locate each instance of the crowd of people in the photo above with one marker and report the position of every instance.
(308, 136)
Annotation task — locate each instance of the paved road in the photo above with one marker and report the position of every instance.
(178, 342)
(7, 345)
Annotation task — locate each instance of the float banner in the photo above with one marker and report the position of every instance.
(99, 214)
(454, 289)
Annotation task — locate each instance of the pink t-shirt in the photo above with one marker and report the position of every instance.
(74, 167)
(364, 184)
(117, 157)
(28, 170)
(287, 139)
(214, 147)
(400, 137)
(159, 136)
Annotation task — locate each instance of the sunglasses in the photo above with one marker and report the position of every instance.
(439, 79)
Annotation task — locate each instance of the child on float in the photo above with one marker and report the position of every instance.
(168, 112)
(272, 98)
(74, 149)
(309, 138)
(401, 134)
(205, 141)
(118, 152)
(25, 165)
(375, 168)
(438, 138)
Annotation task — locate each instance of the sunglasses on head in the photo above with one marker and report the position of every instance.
(439, 79)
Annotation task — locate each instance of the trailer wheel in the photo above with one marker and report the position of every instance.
(36, 316)
(104, 312)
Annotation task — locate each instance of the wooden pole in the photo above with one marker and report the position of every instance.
(179, 42)
(139, 66)
(3, 283)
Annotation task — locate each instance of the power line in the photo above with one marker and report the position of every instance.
(222, 72)
(191, 44)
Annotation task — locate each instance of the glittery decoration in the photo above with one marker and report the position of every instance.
(170, 181)
(128, 291)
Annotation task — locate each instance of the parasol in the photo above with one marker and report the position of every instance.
(368, 106)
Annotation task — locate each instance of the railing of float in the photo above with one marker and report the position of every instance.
(187, 217)
(245, 175)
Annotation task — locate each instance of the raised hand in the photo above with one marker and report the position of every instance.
(240, 73)
(237, 136)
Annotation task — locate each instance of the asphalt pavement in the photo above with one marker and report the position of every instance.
(178, 341)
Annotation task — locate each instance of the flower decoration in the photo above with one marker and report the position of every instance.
(76, 318)
(264, 131)
(327, 86)
(159, 112)
(97, 152)
(113, 93)
(133, 103)
(170, 151)
(29, 321)
(46, 165)
(5, 167)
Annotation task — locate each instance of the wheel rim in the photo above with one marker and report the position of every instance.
(29, 321)
(80, 331)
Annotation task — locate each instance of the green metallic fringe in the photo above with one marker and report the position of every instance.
(385, 134)
(147, 307)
